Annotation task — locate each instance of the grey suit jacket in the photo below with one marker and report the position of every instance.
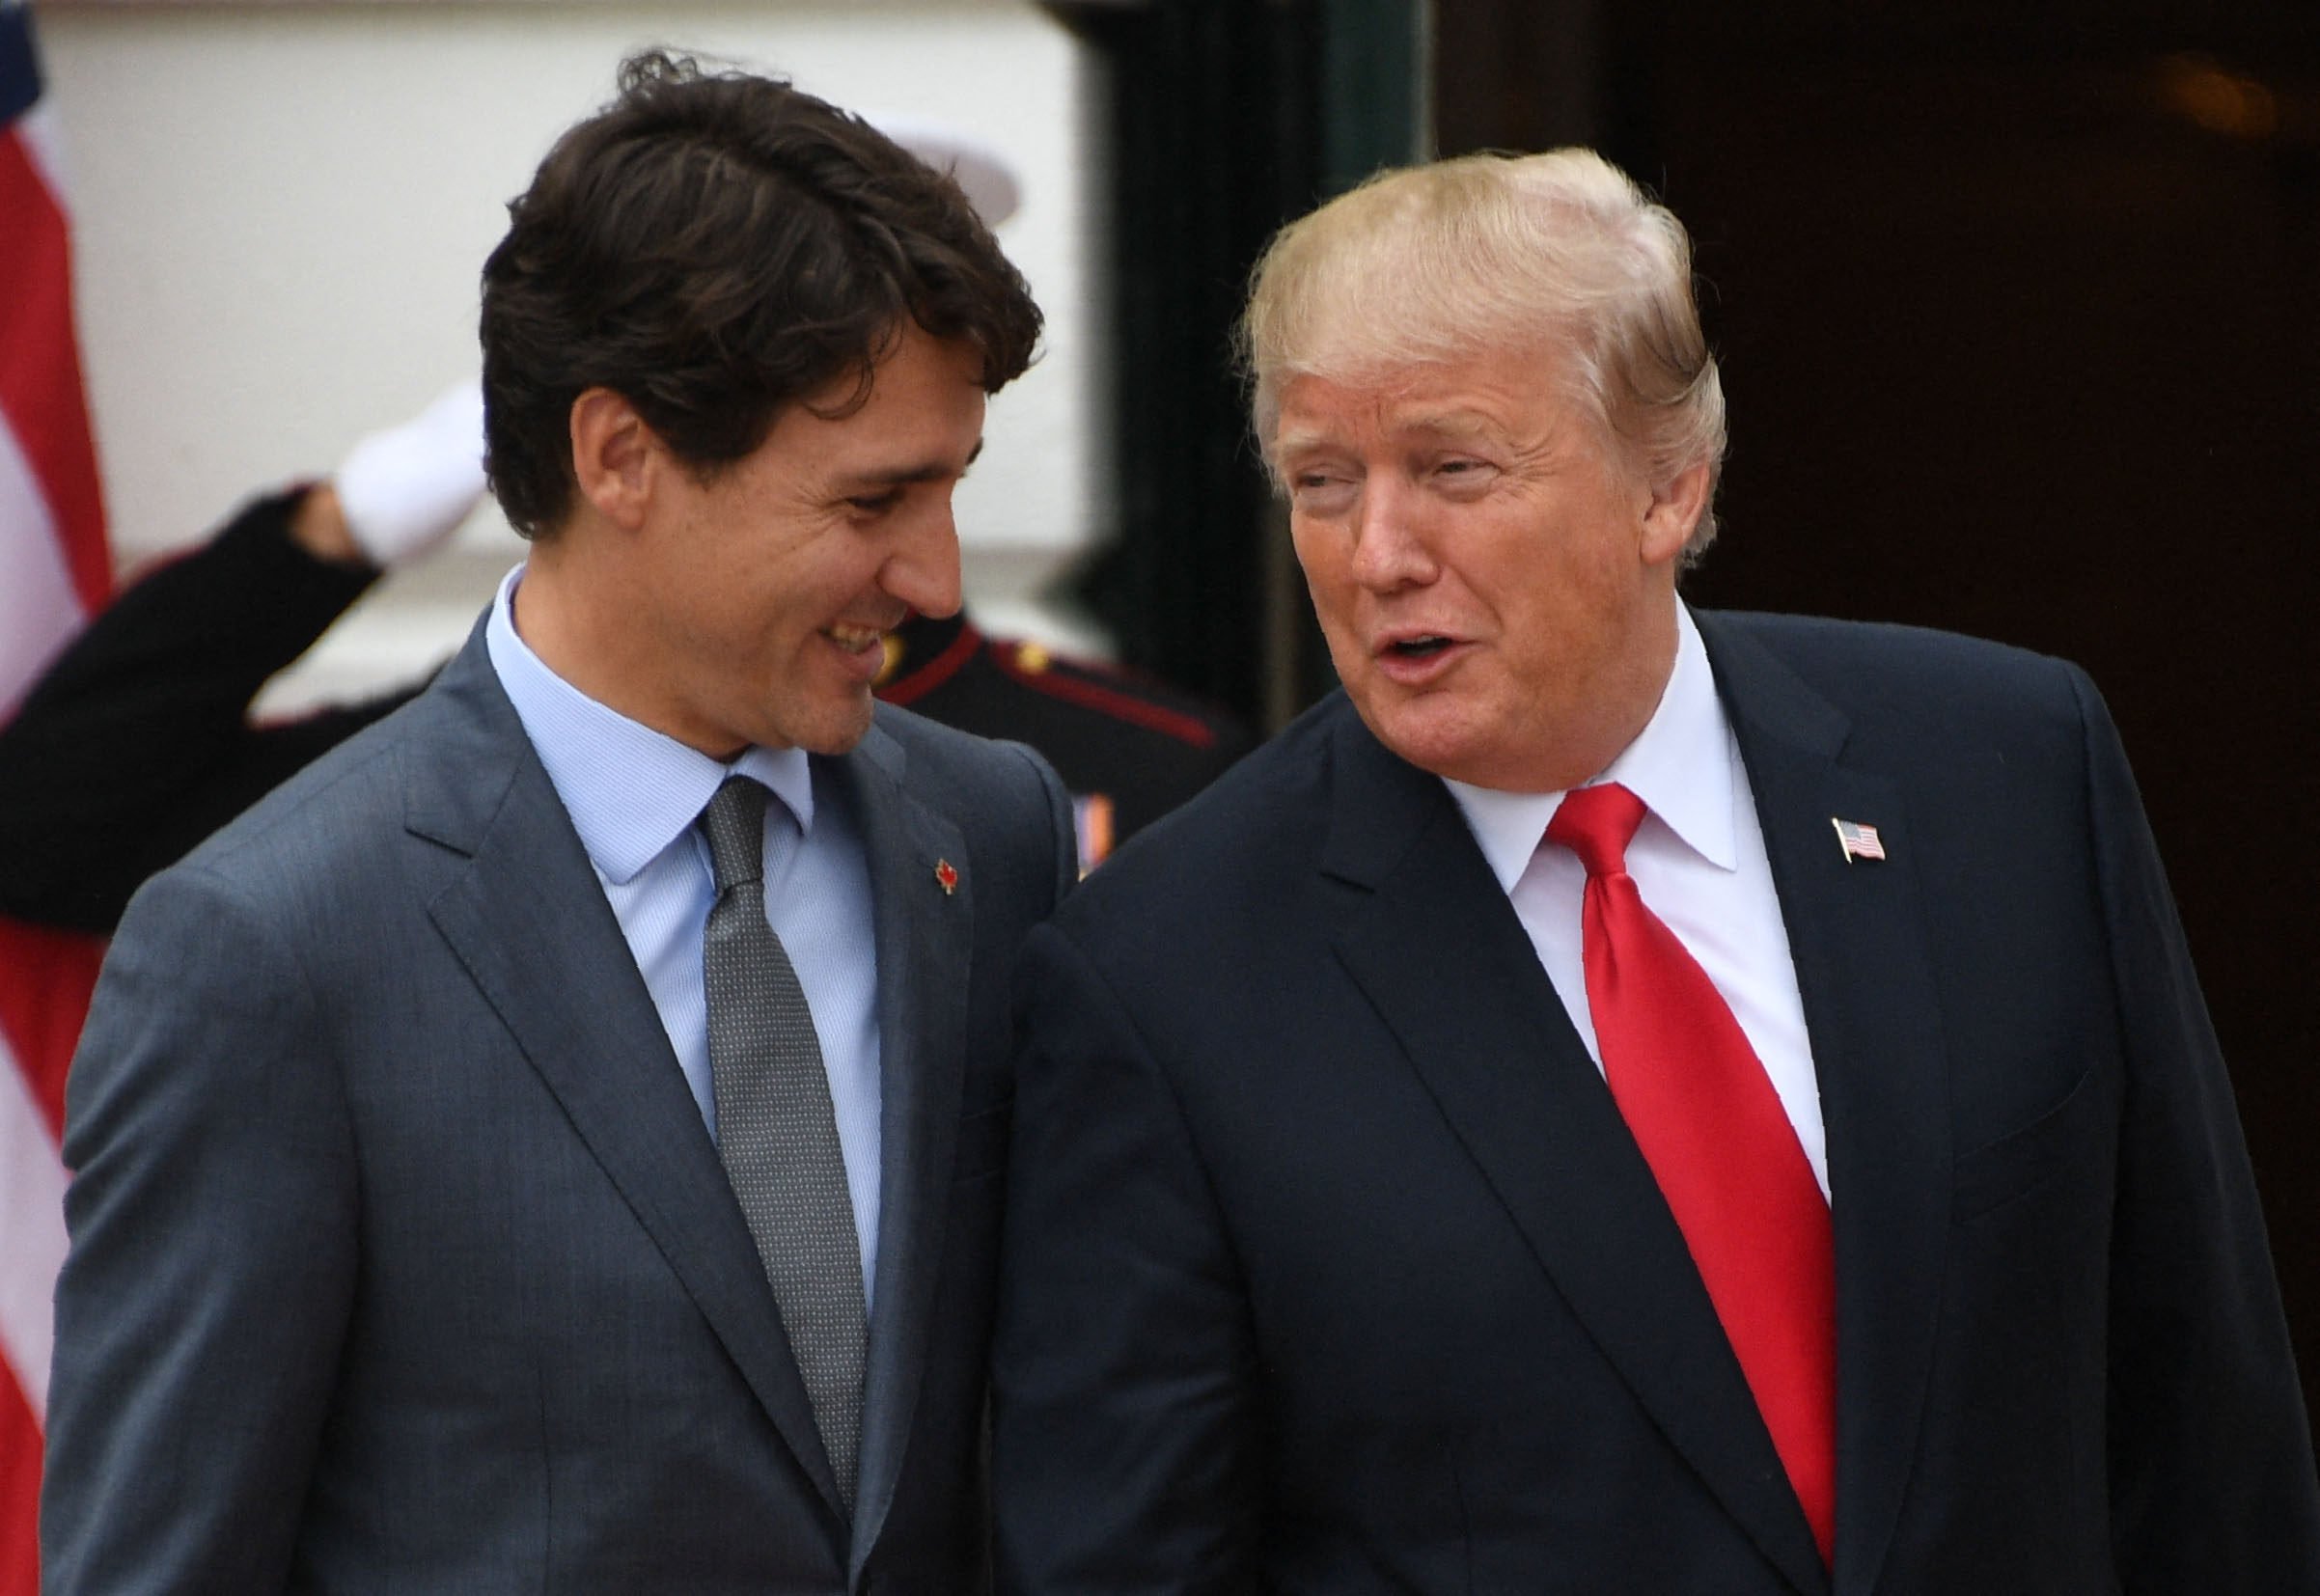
(402, 1259)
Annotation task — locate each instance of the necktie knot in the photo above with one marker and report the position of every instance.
(1597, 823)
(734, 823)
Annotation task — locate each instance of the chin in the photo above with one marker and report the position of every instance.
(839, 730)
(838, 743)
(1423, 736)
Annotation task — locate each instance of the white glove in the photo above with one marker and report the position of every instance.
(405, 489)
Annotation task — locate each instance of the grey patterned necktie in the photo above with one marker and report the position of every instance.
(776, 1130)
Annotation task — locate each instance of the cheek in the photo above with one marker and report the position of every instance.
(1320, 555)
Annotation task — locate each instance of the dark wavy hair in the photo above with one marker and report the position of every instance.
(714, 246)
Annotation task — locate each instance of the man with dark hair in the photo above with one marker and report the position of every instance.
(717, 249)
(551, 1142)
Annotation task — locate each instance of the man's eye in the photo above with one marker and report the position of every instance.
(1464, 474)
(1320, 493)
(875, 503)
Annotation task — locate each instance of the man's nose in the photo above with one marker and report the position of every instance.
(1389, 537)
(923, 571)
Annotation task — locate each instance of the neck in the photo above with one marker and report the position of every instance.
(1632, 698)
(1606, 716)
(571, 611)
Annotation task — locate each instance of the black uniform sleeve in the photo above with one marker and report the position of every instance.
(135, 745)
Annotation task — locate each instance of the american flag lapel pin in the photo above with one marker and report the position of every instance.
(1858, 840)
(946, 876)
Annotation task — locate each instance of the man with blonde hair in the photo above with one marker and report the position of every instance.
(1620, 1099)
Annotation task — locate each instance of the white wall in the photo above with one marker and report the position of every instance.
(280, 212)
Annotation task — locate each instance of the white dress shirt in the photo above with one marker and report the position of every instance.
(1699, 861)
(634, 795)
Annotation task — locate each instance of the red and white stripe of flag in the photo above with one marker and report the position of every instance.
(54, 572)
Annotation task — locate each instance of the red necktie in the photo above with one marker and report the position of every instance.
(1727, 1160)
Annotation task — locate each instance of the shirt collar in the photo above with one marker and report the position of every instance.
(1680, 764)
(629, 789)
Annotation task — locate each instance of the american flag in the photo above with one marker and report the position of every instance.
(54, 572)
(1858, 840)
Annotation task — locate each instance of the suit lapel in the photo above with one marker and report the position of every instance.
(1497, 1053)
(1856, 935)
(527, 918)
(925, 934)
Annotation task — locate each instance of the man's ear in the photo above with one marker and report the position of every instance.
(1675, 507)
(615, 456)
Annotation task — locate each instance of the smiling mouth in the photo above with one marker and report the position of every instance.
(854, 639)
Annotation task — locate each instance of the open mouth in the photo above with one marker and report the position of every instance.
(1418, 647)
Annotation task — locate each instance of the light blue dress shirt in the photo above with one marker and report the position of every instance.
(633, 795)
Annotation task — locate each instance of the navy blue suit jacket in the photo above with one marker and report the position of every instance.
(1330, 1266)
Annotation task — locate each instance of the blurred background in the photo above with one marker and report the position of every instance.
(2018, 303)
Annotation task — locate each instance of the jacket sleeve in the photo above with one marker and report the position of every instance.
(1124, 1380)
(2212, 1480)
(210, 1275)
(135, 744)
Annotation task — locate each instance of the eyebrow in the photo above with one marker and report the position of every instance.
(1294, 443)
(933, 471)
(1454, 424)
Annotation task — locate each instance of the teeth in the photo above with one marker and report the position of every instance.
(852, 637)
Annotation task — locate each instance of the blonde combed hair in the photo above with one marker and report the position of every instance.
(1559, 252)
